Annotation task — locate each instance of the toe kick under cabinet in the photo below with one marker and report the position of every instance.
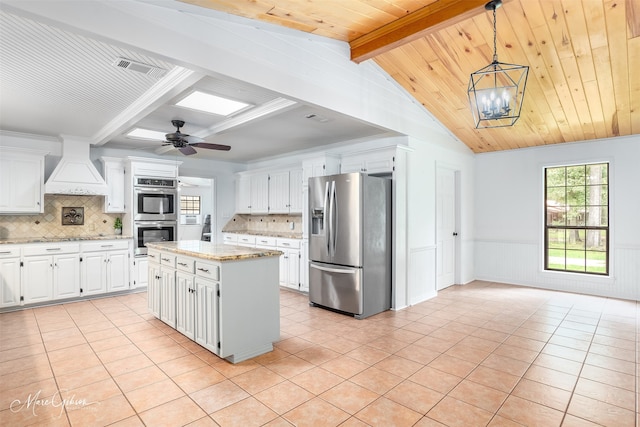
(230, 307)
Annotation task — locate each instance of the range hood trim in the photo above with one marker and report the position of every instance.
(75, 173)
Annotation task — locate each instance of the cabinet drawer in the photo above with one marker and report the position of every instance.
(185, 264)
(208, 270)
(230, 238)
(104, 245)
(51, 249)
(289, 243)
(9, 251)
(246, 240)
(153, 256)
(265, 241)
(168, 260)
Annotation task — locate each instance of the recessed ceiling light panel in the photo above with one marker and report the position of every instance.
(211, 104)
(139, 133)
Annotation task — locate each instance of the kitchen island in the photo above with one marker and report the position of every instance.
(225, 298)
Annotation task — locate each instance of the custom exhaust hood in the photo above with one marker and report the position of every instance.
(75, 173)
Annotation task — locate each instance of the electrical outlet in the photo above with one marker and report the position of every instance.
(292, 225)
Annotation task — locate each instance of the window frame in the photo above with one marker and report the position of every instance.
(546, 226)
(190, 199)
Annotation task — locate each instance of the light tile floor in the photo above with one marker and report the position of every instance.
(476, 355)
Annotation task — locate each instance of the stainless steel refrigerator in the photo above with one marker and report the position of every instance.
(350, 243)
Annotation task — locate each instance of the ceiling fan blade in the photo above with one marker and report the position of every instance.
(187, 150)
(192, 139)
(211, 146)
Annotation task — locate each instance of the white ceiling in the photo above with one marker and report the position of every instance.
(57, 82)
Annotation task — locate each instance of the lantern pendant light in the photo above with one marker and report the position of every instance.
(496, 92)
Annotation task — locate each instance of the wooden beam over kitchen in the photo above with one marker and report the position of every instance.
(433, 17)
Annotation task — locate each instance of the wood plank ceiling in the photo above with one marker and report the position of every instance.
(582, 55)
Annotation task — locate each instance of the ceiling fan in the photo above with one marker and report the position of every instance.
(185, 143)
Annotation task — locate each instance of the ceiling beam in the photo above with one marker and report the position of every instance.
(431, 18)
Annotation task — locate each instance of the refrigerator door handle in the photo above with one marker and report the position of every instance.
(325, 215)
(333, 217)
(332, 270)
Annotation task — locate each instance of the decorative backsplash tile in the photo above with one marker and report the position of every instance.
(49, 223)
(264, 224)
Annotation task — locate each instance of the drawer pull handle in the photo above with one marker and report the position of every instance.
(151, 256)
(166, 259)
(203, 270)
(106, 246)
(5, 253)
(184, 264)
(54, 249)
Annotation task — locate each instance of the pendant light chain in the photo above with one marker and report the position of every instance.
(495, 37)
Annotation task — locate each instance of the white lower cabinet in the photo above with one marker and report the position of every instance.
(153, 285)
(140, 271)
(9, 276)
(185, 304)
(230, 308)
(206, 314)
(289, 263)
(48, 277)
(105, 266)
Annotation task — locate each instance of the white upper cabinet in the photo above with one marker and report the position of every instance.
(21, 181)
(320, 166)
(370, 162)
(260, 193)
(279, 192)
(114, 176)
(243, 194)
(295, 191)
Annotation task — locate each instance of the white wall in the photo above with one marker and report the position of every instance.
(202, 187)
(509, 216)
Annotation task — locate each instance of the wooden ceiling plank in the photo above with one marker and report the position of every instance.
(633, 18)
(602, 64)
(634, 90)
(430, 18)
(617, 34)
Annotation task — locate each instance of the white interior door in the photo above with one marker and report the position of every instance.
(446, 227)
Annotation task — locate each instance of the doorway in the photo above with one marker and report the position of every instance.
(196, 203)
(447, 217)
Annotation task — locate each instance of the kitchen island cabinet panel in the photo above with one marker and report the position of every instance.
(231, 303)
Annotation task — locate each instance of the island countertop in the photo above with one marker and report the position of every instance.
(210, 251)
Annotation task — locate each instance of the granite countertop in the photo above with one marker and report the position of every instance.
(19, 240)
(210, 251)
(282, 234)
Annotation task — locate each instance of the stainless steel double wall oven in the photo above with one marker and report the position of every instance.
(155, 211)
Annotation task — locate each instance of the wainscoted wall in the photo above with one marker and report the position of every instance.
(49, 223)
(422, 278)
(521, 263)
(277, 224)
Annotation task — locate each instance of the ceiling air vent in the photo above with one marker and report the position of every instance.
(147, 69)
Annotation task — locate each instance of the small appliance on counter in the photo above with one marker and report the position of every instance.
(350, 243)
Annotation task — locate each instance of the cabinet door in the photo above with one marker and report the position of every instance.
(243, 194)
(168, 296)
(141, 271)
(279, 192)
(9, 282)
(117, 270)
(284, 267)
(260, 193)
(352, 164)
(294, 269)
(207, 314)
(38, 279)
(153, 289)
(185, 307)
(114, 177)
(66, 276)
(93, 273)
(21, 182)
(295, 191)
(304, 266)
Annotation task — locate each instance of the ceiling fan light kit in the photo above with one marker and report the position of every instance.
(496, 92)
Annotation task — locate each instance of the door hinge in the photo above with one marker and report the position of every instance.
(81, 290)
(21, 298)
(21, 264)
(80, 259)
(218, 292)
(218, 344)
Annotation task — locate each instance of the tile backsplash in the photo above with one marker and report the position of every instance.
(49, 223)
(265, 223)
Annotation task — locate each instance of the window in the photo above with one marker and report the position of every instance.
(190, 205)
(577, 218)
